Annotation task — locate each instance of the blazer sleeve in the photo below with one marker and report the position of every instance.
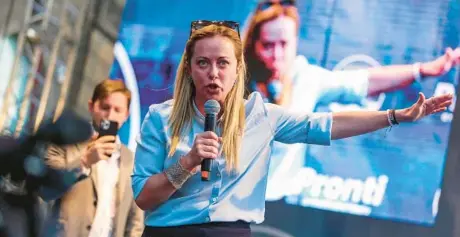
(63, 171)
(135, 222)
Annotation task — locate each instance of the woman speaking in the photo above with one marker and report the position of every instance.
(172, 143)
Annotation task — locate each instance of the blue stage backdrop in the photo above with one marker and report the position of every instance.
(393, 174)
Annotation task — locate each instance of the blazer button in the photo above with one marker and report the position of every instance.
(95, 203)
(88, 227)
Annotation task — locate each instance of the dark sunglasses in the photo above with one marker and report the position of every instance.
(267, 4)
(196, 25)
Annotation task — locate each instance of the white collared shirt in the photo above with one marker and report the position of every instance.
(107, 178)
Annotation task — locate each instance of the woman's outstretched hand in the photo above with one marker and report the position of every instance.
(424, 107)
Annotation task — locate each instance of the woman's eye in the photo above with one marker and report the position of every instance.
(202, 63)
(223, 63)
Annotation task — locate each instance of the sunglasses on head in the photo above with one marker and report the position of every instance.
(196, 25)
(267, 4)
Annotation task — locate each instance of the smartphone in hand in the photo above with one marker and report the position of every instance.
(108, 128)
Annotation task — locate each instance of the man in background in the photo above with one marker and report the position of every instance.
(100, 203)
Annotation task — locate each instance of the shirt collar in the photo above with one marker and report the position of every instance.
(198, 114)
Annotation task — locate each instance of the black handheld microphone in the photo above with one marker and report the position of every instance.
(211, 109)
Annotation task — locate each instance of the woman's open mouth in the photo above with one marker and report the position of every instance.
(213, 88)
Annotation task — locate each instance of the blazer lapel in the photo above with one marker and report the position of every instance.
(93, 174)
(94, 179)
(125, 172)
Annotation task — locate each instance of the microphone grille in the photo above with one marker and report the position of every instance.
(211, 107)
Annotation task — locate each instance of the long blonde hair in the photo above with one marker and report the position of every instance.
(233, 117)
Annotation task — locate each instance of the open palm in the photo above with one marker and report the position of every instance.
(424, 107)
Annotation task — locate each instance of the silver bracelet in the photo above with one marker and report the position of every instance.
(391, 117)
(177, 175)
(388, 118)
(389, 123)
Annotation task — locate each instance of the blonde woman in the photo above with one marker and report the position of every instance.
(172, 144)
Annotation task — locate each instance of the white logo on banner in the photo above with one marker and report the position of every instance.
(335, 193)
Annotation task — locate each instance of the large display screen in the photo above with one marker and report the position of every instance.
(327, 58)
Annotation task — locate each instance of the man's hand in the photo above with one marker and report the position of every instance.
(98, 149)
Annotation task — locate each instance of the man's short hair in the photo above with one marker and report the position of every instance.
(108, 87)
